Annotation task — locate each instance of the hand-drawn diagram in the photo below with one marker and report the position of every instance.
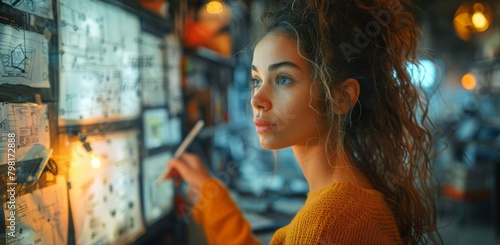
(41, 216)
(158, 200)
(42, 8)
(105, 201)
(23, 58)
(152, 70)
(99, 50)
(30, 124)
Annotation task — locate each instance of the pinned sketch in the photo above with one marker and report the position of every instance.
(30, 125)
(152, 70)
(23, 58)
(99, 53)
(25, 170)
(42, 8)
(159, 129)
(105, 199)
(41, 217)
(158, 200)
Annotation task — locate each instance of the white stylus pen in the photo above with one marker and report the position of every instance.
(185, 143)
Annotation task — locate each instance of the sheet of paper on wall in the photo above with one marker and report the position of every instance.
(174, 50)
(99, 53)
(175, 100)
(29, 125)
(156, 128)
(152, 70)
(41, 217)
(25, 170)
(175, 129)
(42, 8)
(23, 58)
(160, 129)
(105, 199)
(158, 200)
(173, 62)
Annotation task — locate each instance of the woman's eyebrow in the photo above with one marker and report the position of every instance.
(276, 66)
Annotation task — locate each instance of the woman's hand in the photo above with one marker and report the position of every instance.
(190, 168)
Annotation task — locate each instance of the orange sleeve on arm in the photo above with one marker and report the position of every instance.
(221, 219)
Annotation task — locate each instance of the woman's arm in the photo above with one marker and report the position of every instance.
(221, 219)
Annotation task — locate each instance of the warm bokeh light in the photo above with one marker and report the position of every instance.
(480, 22)
(95, 161)
(469, 81)
(214, 7)
(478, 7)
(472, 18)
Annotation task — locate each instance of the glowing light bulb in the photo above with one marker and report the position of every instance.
(214, 7)
(479, 21)
(95, 161)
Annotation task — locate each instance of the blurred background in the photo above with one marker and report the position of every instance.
(121, 82)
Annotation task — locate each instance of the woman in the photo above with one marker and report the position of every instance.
(330, 81)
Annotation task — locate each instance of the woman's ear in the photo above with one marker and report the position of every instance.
(347, 96)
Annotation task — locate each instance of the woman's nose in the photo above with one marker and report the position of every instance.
(261, 98)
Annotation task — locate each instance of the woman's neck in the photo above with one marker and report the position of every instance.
(321, 169)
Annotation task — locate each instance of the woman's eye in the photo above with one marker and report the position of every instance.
(255, 82)
(283, 80)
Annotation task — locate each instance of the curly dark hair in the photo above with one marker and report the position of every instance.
(373, 41)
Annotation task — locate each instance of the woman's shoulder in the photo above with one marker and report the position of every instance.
(344, 213)
(348, 205)
(344, 194)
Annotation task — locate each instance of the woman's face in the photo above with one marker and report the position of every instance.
(282, 100)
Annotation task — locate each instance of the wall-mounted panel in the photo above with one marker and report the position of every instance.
(99, 68)
(105, 200)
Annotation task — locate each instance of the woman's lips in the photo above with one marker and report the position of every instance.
(262, 125)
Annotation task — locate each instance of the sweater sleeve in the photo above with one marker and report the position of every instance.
(221, 219)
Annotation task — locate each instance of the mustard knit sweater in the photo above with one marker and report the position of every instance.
(339, 214)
